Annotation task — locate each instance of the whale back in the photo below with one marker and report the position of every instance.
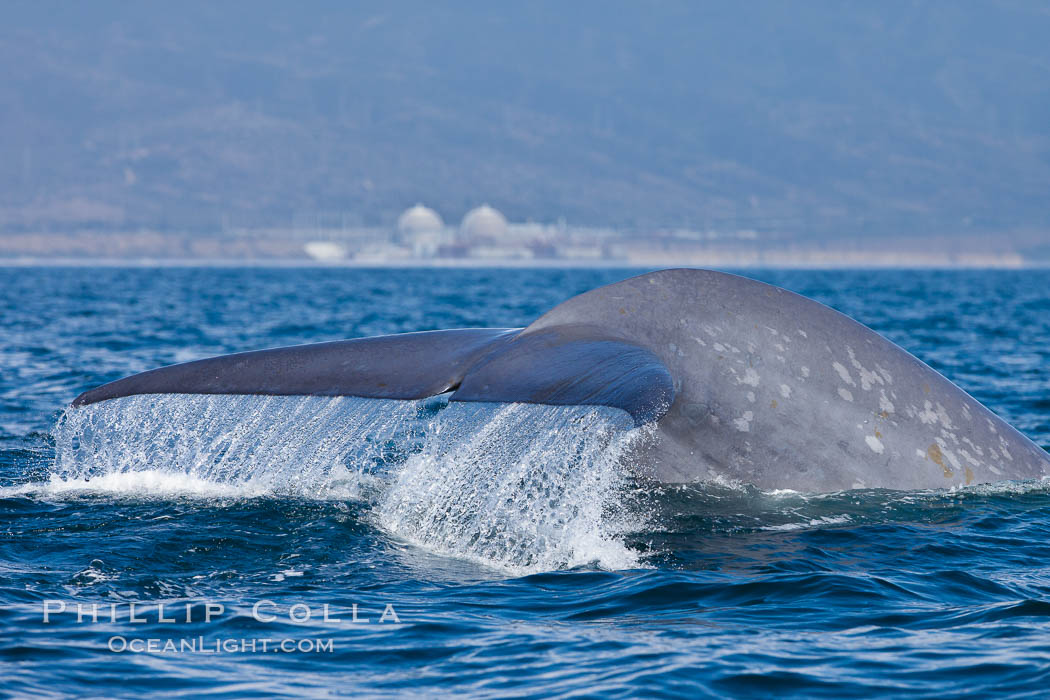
(780, 391)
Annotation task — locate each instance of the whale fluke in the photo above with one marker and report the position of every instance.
(572, 366)
(405, 366)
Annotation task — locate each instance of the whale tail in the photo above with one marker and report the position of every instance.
(557, 366)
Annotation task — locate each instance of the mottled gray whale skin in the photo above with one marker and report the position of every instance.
(780, 391)
(745, 382)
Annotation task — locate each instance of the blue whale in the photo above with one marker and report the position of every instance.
(742, 380)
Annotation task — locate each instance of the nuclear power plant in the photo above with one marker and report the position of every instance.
(484, 236)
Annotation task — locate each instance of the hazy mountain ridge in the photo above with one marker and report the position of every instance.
(794, 120)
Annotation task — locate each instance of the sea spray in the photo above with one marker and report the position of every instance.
(524, 488)
(296, 445)
(518, 487)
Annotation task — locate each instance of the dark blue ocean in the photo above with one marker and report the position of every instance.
(220, 546)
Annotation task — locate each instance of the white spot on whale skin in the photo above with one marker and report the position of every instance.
(943, 417)
(785, 391)
(743, 424)
(928, 416)
(844, 373)
(751, 377)
(805, 371)
(875, 444)
(884, 403)
(802, 333)
(751, 396)
(845, 393)
(952, 459)
(719, 347)
(867, 378)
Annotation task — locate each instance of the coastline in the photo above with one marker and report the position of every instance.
(895, 262)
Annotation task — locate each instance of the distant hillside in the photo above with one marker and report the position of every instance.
(804, 120)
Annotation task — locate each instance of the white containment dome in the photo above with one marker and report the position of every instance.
(484, 222)
(419, 219)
